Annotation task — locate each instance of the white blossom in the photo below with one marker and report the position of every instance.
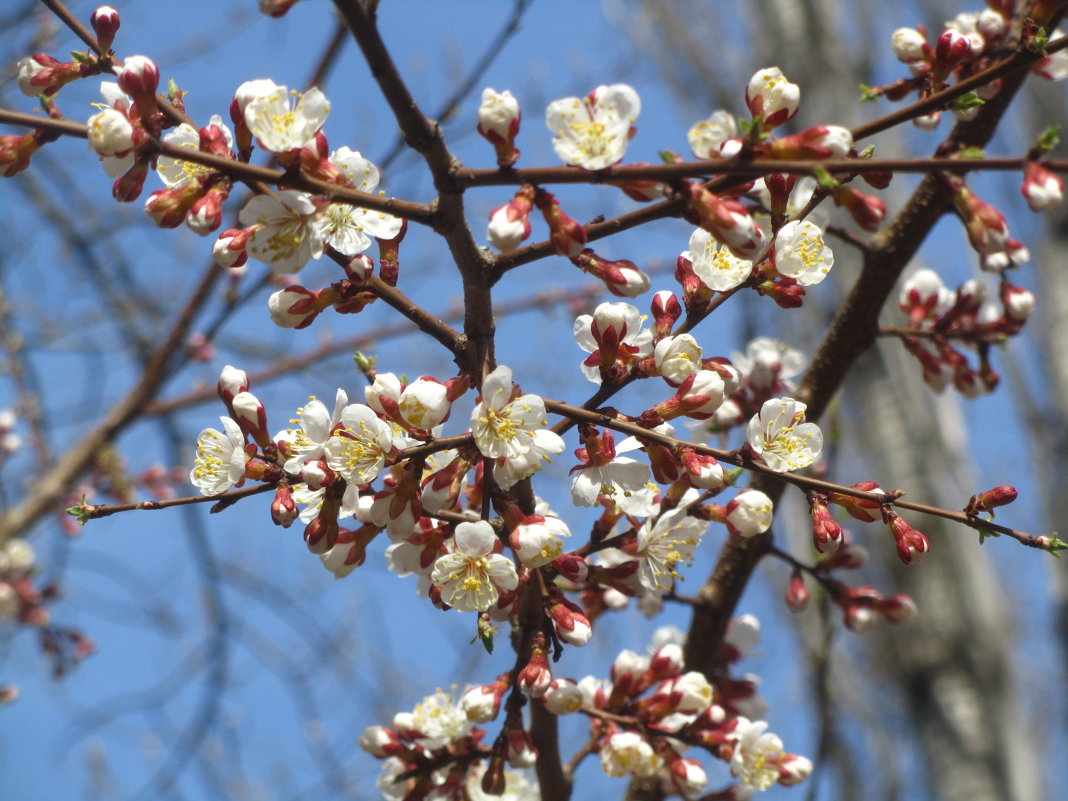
(357, 451)
(220, 460)
(781, 438)
(502, 426)
(350, 229)
(274, 119)
(471, 574)
(801, 253)
(665, 542)
(707, 137)
(593, 132)
(627, 752)
(756, 754)
(288, 234)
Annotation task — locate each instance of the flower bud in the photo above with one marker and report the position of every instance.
(726, 220)
(868, 211)
(827, 535)
(231, 382)
(538, 540)
(821, 142)
(283, 510)
(568, 237)
(510, 224)
(562, 697)
(572, 567)
(572, 626)
(797, 594)
(105, 22)
(989, 500)
(128, 187)
(909, 45)
(622, 278)
(898, 609)
(249, 413)
(771, 98)
(1043, 190)
(229, 249)
(16, 150)
(498, 122)
(665, 310)
(293, 307)
(749, 513)
(139, 78)
(482, 703)
(110, 133)
(908, 540)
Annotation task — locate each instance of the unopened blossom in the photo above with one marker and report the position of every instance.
(749, 513)
(500, 425)
(779, 435)
(538, 540)
(613, 331)
(923, 295)
(708, 136)
(756, 754)
(772, 98)
(350, 229)
(105, 21)
(563, 697)
(471, 575)
(277, 122)
(593, 132)
(664, 543)
(714, 263)
(220, 460)
(41, 74)
(1043, 190)
(287, 233)
(909, 45)
(801, 253)
(110, 133)
(677, 357)
(628, 753)
(509, 224)
(498, 122)
(358, 449)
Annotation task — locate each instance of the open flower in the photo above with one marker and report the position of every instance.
(593, 132)
(221, 458)
(707, 137)
(358, 449)
(628, 752)
(714, 264)
(665, 543)
(471, 575)
(801, 253)
(757, 754)
(781, 438)
(278, 123)
(500, 425)
(349, 229)
(316, 422)
(288, 234)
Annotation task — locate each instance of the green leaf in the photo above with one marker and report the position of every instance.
(985, 532)
(1048, 139)
(972, 153)
(82, 512)
(745, 126)
(826, 180)
(867, 152)
(485, 633)
(364, 363)
(867, 94)
(968, 100)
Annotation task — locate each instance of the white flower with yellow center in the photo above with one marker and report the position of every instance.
(708, 136)
(221, 458)
(471, 575)
(756, 754)
(288, 233)
(357, 451)
(627, 752)
(315, 424)
(438, 719)
(801, 253)
(671, 539)
(780, 436)
(593, 132)
(502, 426)
(677, 358)
(175, 172)
(280, 124)
(714, 264)
(349, 229)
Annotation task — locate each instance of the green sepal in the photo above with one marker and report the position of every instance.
(825, 179)
(80, 512)
(867, 94)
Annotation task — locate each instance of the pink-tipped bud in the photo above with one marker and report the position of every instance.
(571, 624)
(139, 78)
(293, 307)
(283, 509)
(703, 471)
(827, 534)
(821, 142)
(568, 237)
(989, 500)
(1043, 190)
(861, 508)
(666, 662)
(665, 310)
(987, 230)
(868, 211)
(509, 224)
(910, 542)
(249, 413)
(727, 220)
(105, 22)
(521, 752)
(128, 187)
(535, 676)
(771, 98)
(482, 703)
(786, 292)
(230, 249)
(622, 278)
(797, 594)
(231, 382)
(897, 609)
(16, 150)
(378, 741)
(498, 122)
(572, 567)
(951, 49)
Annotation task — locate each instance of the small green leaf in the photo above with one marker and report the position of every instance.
(745, 126)
(485, 632)
(972, 153)
(79, 57)
(82, 512)
(364, 363)
(968, 100)
(867, 152)
(1048, 139)
(985, 532)
(825, 179)
(867, 94)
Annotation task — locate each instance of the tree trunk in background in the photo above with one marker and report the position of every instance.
(948, 677)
